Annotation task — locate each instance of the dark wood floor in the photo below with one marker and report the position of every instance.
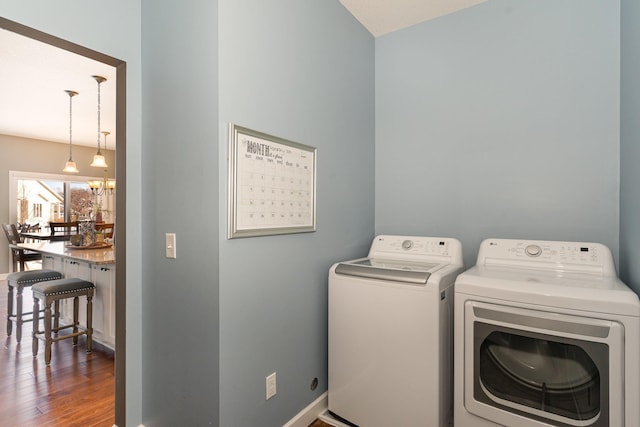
(77, 390)
(319, 423)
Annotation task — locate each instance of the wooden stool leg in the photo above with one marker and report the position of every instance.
(89, 321)
(9, 310)
(47, 332)
(19, 313)
(56, 316)
(36, 327)
(75, 320)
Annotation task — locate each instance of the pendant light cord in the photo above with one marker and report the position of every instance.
(71, 95)
(99, 116)
(100, 80)
(70, 127)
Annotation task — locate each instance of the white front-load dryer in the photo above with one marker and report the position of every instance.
(545, 335)
(390, 333)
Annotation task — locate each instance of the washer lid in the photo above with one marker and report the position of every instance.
(391, 270)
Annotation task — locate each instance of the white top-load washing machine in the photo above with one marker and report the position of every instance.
(390, 325)
(545, 335)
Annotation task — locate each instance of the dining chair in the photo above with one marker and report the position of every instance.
(19, 256)
(62, 230)
(106, 228)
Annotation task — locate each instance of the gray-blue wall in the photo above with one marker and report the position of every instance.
(501, 120)
(302, 71)
(180, 195)
(630, 144)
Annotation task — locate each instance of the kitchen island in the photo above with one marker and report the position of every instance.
(95, 265)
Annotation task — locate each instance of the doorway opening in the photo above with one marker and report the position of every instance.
(121, 137)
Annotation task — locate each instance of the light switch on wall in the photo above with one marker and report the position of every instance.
(271, 386)
(170, 245)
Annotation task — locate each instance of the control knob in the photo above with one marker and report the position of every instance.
(533, 250)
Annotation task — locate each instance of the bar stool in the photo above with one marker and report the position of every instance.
(54, 291)
(19, 281)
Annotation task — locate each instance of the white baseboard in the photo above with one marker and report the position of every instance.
(304, 417)
(310, 413)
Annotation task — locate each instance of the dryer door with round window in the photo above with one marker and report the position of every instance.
(540, 366)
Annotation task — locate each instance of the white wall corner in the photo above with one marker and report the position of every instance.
(310, 413)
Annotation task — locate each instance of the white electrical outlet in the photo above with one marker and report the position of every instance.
(170, 245)
(271, 386)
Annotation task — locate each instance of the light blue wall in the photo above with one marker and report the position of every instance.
(303, 71)
(112, 29)
(501, 120)
(630, 144)
(180, 183)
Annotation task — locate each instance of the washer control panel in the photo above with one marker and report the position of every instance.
(414, 248)
(545, 254)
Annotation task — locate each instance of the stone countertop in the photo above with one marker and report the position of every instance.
(99, 256)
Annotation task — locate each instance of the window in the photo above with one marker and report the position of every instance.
(40, 198)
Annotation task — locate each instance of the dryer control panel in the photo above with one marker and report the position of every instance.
(552, 255)
(416, 248)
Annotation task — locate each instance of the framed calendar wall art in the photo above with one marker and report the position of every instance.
(272, 185)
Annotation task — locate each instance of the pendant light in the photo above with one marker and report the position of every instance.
(70, 166)
(98, 159)
(106, 185)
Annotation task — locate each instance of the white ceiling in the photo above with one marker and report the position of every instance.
(384, 16)
(34, 75)
(33, 80)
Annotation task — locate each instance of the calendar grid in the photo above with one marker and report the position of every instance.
(272, 185)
